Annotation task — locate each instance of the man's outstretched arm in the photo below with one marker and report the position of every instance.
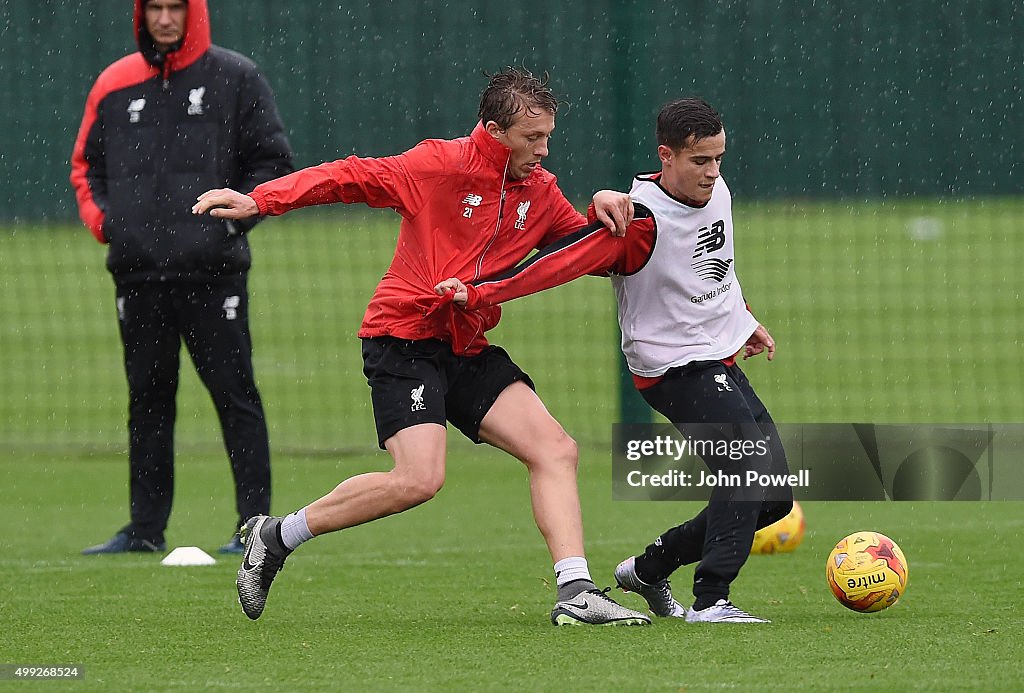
(377, 182)
(590, 250)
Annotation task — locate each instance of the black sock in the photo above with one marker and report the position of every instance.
(704, 601)
(645, 571)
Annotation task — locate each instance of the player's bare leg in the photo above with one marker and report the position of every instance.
(520, 424)
(419, 456)
(418, 474)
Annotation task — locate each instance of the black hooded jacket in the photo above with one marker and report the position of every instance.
(158, 131)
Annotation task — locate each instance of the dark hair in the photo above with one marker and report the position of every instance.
(511, 91)
(684, 118)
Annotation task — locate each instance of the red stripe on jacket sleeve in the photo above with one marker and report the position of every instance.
(129, 70)
(88, 210)
(590, 250)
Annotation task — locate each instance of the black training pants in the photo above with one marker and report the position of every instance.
(709, 400)
(213, 322)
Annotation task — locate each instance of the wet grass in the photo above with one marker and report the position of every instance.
(455, 595)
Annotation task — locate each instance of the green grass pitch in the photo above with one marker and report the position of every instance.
(896, 311)
(456, 594)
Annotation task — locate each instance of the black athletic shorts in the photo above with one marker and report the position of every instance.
(422, 381)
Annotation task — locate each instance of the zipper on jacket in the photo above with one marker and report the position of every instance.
(497, 226)
(494, 236)
(165, 134)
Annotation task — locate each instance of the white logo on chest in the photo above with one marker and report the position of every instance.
(195, 100)
(135, 107)
(521, 211)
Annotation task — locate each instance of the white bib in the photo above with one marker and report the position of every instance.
(685, 304)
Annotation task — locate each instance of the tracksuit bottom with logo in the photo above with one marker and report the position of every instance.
(708, 400)
(212, 320)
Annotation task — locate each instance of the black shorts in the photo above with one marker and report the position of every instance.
(422, 381)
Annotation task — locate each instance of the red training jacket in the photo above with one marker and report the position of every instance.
(461, 217)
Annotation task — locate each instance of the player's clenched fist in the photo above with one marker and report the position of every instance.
(226, 203)
(455, 287)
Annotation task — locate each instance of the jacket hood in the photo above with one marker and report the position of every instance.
(195, 42)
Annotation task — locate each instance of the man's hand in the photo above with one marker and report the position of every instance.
(455, 286)
(758, 342)
(614, 210)
(225, 203)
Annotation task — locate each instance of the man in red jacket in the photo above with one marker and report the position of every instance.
(470, 207)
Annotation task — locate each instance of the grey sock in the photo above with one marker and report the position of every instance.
(571, 589)
(270, 533)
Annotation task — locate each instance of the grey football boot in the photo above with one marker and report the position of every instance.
(595, 607)
(658, 596)
(260, 564)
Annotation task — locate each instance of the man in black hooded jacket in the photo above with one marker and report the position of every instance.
(162, 125)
